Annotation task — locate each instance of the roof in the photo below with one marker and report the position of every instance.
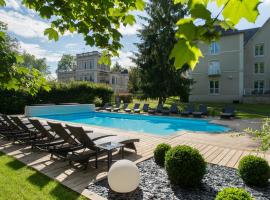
(248, 33)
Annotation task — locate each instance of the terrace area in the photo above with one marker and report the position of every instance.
(222, 149)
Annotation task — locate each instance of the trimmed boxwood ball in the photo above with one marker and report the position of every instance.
(159, 153)
(254, 170)
(185, 166)
(233, 194)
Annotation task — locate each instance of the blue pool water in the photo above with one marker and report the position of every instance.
(158, 125)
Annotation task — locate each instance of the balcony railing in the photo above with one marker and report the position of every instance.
(257, 91)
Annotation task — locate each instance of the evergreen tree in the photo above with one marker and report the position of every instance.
(159, 78)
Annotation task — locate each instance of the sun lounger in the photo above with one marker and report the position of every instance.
(125, 107)
(31, 134)
(202, 111)
(228, 112)
(84, 138)
(70, 145)
(12, 130)
(158, 109)
(136, 108)
(145, 107)
(188, 111)
(117, 107)
(51, 139)
(107, 105)
(173, 109)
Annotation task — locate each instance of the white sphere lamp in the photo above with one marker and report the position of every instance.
(123, 176)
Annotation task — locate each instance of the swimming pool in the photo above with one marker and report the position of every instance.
(158, 125)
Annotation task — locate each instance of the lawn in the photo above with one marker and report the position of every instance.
(17, 181)
(243, 111)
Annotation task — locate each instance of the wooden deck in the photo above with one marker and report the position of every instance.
(221, 149)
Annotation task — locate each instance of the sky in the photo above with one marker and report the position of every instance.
(26, 25)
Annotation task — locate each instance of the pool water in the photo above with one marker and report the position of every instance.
(158, 125)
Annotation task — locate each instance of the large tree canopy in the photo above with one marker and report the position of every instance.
(99, 21)
(13, 74)
(66, 63)
(159, 78)
(30, 62)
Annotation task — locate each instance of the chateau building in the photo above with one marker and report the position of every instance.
(87, 68)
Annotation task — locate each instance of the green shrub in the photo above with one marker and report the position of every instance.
(98, 101)
(185, 166)
(13, 102)
(254, 170)
(159, 153)
(233, 194)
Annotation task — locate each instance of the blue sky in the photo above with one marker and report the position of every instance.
(28, 27)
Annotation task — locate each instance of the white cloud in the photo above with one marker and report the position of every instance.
(23, 25)
(13, 4)
(129, 30)
(124, 59)
(266, 2)
(39, 52)
(71, 45)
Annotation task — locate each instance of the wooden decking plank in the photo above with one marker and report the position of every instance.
(245, 153)
(217, 159)
(234, 159)
(215, 154)
(227, 158)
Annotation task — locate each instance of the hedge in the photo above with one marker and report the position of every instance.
(13, 102)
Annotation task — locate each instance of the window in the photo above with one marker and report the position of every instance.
(259, 49)
(85, 65)
(258, 86)
(214, 87)
(214, 48)
(214, 68)
(113, 80)
(259, 68)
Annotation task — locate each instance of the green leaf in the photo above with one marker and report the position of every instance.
(46, 12)
(52, 34)
(129, 19)
(89, 40)
(2, 3)
(187, 29)
(235, 10)
(200, 11)
(140, 4)
(185, 53)
(19, 58)
(105, 58)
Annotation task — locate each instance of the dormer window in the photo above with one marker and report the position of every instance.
(214, 48)
(259, 50)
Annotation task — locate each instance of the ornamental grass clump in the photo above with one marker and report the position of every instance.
(160, 152)
(255, 171)
(233, 194)
(185, 166)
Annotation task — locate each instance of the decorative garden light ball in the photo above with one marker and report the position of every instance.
(124, 176)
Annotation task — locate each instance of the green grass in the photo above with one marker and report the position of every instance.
(243, 111)
(17, 181)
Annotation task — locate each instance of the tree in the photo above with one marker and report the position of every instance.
(30, 61)
(117, 68)
(98, 21)
(134, 80)
(13, 74)
(66, 63)
(159, 78)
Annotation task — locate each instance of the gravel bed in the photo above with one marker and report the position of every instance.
(154, 184)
